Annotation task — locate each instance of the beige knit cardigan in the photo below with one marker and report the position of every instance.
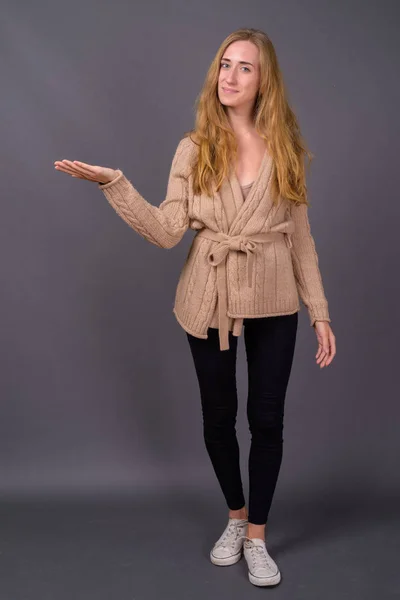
(254, 256)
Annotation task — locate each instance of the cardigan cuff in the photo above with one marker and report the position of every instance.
(110, 183)
(318, 312)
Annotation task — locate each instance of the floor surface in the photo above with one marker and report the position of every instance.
(157, 546)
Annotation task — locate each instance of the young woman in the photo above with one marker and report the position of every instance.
(238, 179)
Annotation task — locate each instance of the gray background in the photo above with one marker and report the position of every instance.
(99, 394)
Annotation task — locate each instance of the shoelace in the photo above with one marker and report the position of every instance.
(260, 558)
(230, 531)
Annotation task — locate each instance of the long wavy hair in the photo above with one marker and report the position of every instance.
(273, 118)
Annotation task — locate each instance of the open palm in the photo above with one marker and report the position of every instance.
(82, 170)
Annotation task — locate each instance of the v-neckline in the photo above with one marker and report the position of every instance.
(236, 183)
(231, 196)
(234, 175)
(244, 204)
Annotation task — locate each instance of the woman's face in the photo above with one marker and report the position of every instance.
(240, 72)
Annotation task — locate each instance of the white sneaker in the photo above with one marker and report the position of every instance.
(262, 569)
(227, 550)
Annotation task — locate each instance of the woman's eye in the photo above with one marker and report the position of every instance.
(226, 64)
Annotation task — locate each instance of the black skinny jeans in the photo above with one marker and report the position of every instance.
(269, 344)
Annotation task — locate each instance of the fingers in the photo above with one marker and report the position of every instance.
(68, 170)
(82, 164)
(332, 342)
(327, 350)
(324, 352)
(321, 354)
(83, 172)
(84, 168)
(89, 174)
(324, 359)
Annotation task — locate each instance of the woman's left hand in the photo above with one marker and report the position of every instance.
(326, 343)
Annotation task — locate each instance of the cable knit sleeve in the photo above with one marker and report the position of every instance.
(164, 225)
(305, 266)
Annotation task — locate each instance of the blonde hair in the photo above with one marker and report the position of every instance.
(274, 121)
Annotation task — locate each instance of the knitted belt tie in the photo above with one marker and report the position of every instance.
(217, 258)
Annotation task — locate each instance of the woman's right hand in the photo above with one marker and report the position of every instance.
(84, 171)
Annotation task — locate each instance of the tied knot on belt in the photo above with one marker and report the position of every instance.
(217, 258)
(239, 243)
